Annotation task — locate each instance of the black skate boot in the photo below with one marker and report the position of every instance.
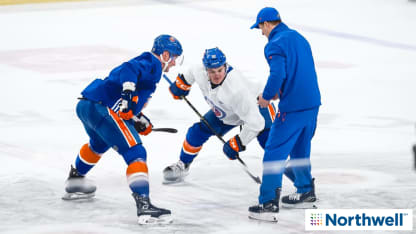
(176, 172)
(150, 214)
(77, 187)
(301, 200)
(267, 211)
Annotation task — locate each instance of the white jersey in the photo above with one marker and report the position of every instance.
(232, 102)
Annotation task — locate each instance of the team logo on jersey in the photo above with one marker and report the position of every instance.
(219, 113)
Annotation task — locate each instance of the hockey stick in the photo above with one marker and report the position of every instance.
(245, 168)
(169, 130)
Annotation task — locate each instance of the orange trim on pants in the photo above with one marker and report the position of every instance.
(131, 141)
(87, 155)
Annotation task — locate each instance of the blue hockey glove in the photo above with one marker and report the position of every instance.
(142, 124)
(232, 147)
(128, 101)
(179, 88)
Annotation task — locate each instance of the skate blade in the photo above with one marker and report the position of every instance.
(268, 217)
(177, 181)
(303, 205)
(77, 196)
(149, 220)
(172, 179)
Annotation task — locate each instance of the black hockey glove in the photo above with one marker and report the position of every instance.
(142, 124)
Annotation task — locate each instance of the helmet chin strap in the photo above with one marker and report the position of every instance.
(165, 63)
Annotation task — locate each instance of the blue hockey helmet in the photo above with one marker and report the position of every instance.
(213, 58)
(167, 43)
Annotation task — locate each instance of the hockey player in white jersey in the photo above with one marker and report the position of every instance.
(232, 104)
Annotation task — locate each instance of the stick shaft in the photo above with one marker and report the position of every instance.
(256, 179)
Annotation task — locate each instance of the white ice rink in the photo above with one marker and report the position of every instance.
(365, 54)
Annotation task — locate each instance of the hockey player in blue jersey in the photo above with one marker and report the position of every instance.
(233, 103)
(293, 80)
(111, 112)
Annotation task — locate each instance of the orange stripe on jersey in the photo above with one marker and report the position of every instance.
(272, 112)
(131, 141)
(191, 149)
(88, 156)
(136, 167)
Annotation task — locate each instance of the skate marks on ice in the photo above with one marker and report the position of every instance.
(26, 117)
(338, 178)
(351, 188)
(36, 207)
(363, 121)
(217, 196)
(50, 60)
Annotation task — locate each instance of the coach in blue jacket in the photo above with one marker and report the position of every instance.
(293, 81)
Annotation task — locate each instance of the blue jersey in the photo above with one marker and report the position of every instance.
(292, 71)
(145, 71)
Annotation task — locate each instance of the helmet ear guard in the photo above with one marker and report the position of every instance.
(213, 58)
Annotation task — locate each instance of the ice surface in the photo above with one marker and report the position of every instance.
(365, 52)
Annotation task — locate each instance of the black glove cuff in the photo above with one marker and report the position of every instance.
(237, 138)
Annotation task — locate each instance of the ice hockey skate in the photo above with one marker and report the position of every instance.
(300, 200)
(268, 211)
(77, 187)
(176, 172)
(150, 214)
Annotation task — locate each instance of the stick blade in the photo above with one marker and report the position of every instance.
(169, 130)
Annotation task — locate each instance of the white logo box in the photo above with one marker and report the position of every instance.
(359, 219)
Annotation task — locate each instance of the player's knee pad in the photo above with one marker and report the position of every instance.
(98, 146)
(198, 134)
(135, 153)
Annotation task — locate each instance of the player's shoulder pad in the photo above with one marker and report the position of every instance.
(235, 82)
(145, 61)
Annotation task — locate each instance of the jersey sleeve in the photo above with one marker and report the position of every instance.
(128, 73)
(277, 64)
(189, 75)
(245, 106)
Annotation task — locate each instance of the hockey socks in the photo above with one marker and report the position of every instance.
(86, 159)
(137, 177)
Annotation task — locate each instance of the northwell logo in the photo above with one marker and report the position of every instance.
(359, 219)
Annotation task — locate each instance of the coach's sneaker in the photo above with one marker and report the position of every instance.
(150, 214)
(300, 200)
(176, 172)
(77, 187)
(267, 211)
